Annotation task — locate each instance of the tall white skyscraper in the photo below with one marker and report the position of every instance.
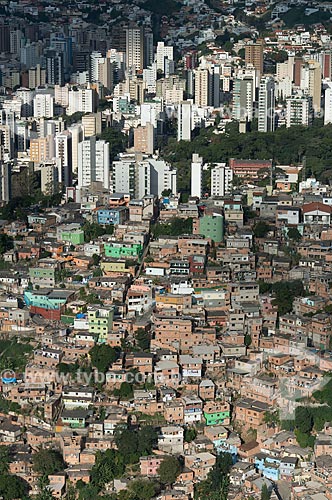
(101, 70)
(135, 48)
(196, 175)
(221, 179)
(93, 162)
(43, 106)
(266, 105)
(124, 175)
(26, 95)
(83, 99)
(184, 121)
(95, 59)
(328, 104)
(76, 131)
(163, 52)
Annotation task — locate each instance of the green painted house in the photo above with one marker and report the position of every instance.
(76, 419)
(118, 250)
(72, 236)
(100, 322)
(212, 226)
(217, 413)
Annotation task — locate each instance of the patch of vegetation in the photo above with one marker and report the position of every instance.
(173, 227)
(297, 16)
(165, 8)
(14, 354)
(285, 146)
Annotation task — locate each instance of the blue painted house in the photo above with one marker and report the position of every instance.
(269, 466)
(107, 216)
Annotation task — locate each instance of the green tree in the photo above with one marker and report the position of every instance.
(13, 487)
(108, 465)
(265, 494)
(126, 390)
(247, 340)
(169, 470)
(45, 494)
(261, 229)
(304, 420)
(285, 292)
(147, 440)
(47, 462)
(189, 434)
(96, 259)
(142, 338)
(215, 487)
(87, 491)
(102, 357)
(92, 231)
(4, 460)
(127, 443)
(174, 227)
(6, 243)
(142, 489)
(294, 234)
(117, 140)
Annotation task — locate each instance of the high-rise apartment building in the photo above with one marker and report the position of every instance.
(163, 52)
(93, 162)
(135, 48)
(4, 38)
(26, 96)
(196, 175)
(148, 49)
(54, 68)
(328, 104)
(63, 151)
(221, 179)
(311, 82)
(202, 87)
(42, 149)
(76, 131)
(83, 99)
(254, 54)
(326, 63)
(299, 111)
(266, 105)
(315, 84)
(43, 105)
(37, 77)
(140, 177)
(101, 70)
(243, 98)
(184, 121)
(144, 139)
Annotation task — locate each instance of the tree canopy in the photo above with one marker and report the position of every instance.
(215, 487)
(133, 443)
(102, 357)
(13, 487)
(285, 146)
(47, 462)
(173, 227)
(169, 470)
